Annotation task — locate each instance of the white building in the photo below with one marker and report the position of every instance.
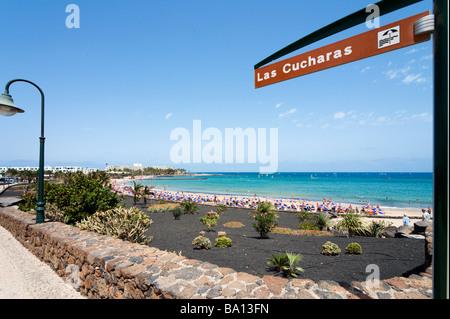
(63, 169)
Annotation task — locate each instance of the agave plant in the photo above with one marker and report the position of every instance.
(189, 207)
(352, 223)
(322, 220)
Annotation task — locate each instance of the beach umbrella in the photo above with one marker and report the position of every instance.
(377, 210)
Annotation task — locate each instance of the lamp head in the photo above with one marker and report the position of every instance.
(7, 106)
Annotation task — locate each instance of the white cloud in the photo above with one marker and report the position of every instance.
(168, 115)
(410, 78)
(412, 51)
(394, 73)
(339, 115)
(367, 68)
(426, 117)
(291, 111)
(278, 105)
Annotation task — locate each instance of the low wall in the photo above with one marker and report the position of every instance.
(106, 267)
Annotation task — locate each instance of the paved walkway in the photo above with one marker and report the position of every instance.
(23, 276)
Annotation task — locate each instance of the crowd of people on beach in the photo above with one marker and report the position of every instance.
(249, 202)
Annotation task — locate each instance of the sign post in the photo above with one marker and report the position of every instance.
(381, 40)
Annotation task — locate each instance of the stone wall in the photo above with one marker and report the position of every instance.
(105, 267)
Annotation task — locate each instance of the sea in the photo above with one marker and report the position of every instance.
(395, 190)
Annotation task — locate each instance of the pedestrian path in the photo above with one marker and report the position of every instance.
(23, 276)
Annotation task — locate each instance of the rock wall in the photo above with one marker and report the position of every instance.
(104, 267)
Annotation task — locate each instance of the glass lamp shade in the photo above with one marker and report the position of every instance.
(7, 107)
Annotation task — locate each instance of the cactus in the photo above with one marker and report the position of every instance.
(201, 242)
(330, 249)
(354, 248)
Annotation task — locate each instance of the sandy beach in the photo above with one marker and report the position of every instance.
(388, 214)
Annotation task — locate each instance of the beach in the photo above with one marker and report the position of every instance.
(388, 214)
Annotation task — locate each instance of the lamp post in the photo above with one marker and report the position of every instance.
(7, 108)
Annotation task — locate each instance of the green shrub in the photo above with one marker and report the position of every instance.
(304, 216)
(189, 207)
(201, 242)
(266, 219)
(52, 212)
(308, 226)
(176, 212)
(221, 208)
(354, 248)
(157, 209)
(80, 196)
(209, 220)
(29, 202)
(330, 249)
(126, 224)
(223, 241)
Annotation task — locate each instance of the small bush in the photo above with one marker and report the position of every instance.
(29, 202)
(354, 248)
(209, 220)
(266, 219)
(330, 249)
(52, 212)
(308, 226)
(126, 224)
(176, 212)
(189, 207)
(223, 241)
(201, 242)
(221, 208)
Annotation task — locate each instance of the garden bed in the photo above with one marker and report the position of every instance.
(248, 253)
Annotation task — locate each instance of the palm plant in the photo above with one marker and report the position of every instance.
(278, 261)
(136, 190)
(146, 191)
(292, 261)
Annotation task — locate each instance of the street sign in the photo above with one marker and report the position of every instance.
(381, 40)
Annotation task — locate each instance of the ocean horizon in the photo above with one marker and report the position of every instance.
(389, 189)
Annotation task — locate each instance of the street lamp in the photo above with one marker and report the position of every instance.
(7, 108)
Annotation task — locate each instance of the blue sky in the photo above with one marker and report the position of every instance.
(136, 70)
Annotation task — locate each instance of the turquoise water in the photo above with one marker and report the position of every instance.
(386, 189)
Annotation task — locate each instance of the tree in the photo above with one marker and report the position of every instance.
(136, 191)
(146, 191)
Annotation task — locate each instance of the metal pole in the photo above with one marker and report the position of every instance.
(441, 133)
(40, 206)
